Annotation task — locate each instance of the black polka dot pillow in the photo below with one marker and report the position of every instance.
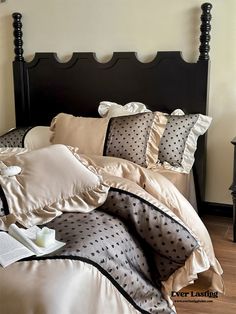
(14, 138)
(179, 141)
(135, 137)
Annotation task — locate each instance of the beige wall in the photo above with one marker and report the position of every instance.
(145, 26)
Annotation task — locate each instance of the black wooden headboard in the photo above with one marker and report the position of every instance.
(45, 87)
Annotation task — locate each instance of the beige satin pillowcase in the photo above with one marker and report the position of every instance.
(134, 138)
(52, 180)
(150, 139)
(88, 134)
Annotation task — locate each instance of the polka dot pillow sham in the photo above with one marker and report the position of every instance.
(179, 141)
(27, 137)
(14, 137)
(133, 137)
(149, 139)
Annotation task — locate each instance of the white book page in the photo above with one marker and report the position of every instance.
(28, 238)
(11, 250)
(21, 243)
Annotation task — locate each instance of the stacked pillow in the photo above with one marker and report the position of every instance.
(149, 138)
(132, 137)
(27, 137)
(132, 132)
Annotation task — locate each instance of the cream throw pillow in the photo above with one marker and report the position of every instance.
(86, 133)
(52, 180)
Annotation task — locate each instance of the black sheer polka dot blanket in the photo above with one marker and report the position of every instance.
(132, 242)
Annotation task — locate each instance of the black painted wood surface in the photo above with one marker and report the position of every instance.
(45, 87)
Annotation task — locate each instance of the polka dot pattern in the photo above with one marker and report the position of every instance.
(173, 141)
(134, 242)
(127, 137)
(166, 237)
(14, 138)
(104, 239)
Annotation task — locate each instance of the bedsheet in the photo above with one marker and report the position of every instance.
(145, 241)
(184, 182)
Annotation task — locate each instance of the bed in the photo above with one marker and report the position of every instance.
(131, 236)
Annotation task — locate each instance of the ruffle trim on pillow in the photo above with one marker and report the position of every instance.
(75, 151)
(200, 127)
(197, 263)
(110, 109)
(88, 200)
(91, 199)
(84, 201)
(52, 128)
(156, 132)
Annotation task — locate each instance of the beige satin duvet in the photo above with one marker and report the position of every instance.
(71, 286)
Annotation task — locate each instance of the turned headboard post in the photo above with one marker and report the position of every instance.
(204, 62)
(20, 88)
(18, 42)
(205, 31)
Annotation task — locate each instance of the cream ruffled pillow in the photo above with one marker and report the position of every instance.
(110, 109)
(52, 180)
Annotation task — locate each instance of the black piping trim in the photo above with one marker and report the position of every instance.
(153, 206)
(26, 132)
(4, 201)
(103, 271)
(158, 209)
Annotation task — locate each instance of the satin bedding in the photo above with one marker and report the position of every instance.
(126, 256)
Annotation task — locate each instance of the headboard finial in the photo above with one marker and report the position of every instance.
(18, 42)
(205, 31)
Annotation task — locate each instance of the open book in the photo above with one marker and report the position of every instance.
(20, 243)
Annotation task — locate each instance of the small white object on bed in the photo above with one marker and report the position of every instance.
(10, 171)
(45, 237)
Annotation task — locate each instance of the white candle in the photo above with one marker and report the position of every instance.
(45, 237)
